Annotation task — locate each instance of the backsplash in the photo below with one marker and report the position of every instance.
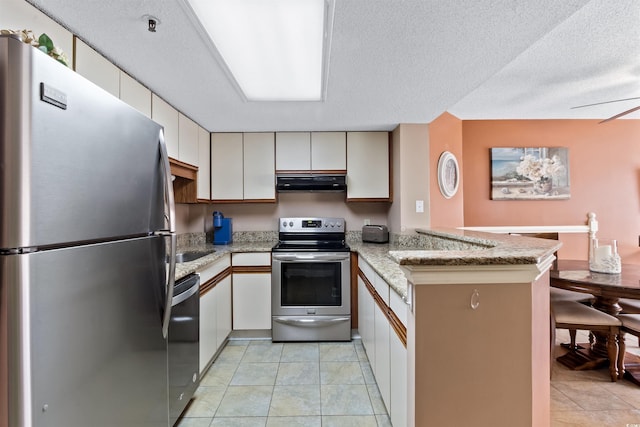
(196, 239)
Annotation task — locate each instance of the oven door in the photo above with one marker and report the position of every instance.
(310, 283)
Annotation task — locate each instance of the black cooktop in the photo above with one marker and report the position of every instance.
(311, 246)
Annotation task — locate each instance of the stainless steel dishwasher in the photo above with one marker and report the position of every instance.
(184, 330)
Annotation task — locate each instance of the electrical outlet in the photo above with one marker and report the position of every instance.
(419, 206)
(367, 221)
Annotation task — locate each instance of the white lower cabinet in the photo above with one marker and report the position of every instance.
(208, 320)
(223, 310)
(251, 291)
(365, 320)
(386, 352)
(215, 311)
(382, 366)
(398, 381)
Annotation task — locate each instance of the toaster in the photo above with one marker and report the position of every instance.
(375, 234)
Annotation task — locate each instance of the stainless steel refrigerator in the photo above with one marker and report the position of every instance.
(86, 222)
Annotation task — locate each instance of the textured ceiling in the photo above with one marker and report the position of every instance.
(392, 61)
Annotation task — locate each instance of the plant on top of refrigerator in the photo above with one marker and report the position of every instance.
(44, 43)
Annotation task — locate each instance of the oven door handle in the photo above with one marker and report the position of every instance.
(310, 322)
(310, 257)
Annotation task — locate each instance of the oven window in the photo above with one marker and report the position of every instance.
(311, 284)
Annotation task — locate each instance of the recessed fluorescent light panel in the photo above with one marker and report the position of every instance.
(276, 50)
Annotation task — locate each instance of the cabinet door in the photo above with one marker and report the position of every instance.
(204, 164)
(368, 165)
(293, 151)
(398, 362)
(18, 14)
(167, 116)
(328, 151)
(381, 366)
(208, 327)
(365, 321)
(135, 94)
(97, 68)
(187, 140)
(259, 170)
(226, 166)
(223, 310)
(251, 301)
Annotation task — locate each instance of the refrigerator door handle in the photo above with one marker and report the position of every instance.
(170, 285)
(170, 216)
(168, 185)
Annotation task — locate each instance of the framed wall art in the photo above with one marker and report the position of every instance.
(536, 173)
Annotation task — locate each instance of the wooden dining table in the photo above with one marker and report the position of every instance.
(607, 289)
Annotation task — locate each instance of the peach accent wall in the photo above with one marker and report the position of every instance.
(445, 134)
(604, 175)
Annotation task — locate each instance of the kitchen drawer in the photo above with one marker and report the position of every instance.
(398, 306)
(366, 269)
(212, 270)
(382, 287)
(251, 259)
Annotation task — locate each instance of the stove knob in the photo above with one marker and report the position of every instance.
(284, 223)
(290, 223)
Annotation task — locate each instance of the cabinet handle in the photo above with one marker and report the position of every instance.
(475, 299)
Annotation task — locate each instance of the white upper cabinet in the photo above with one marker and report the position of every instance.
(293, 151)
(97, 68)
(135, 94)
(226, 166)
(328, 151)
(243, 166)
(368, 166)
(168, 117)
(204, 164)
(187, 140)
(311, 151)
(259, 174)
(20, 15)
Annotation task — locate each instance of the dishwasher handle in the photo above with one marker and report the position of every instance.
(185, 288)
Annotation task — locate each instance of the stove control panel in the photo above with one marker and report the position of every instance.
(312, 225)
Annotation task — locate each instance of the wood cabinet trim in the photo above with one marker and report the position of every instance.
(211, 283)
(398, 327)
(251, 269)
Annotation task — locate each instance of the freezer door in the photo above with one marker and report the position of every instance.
(84, 342)
(76, 163)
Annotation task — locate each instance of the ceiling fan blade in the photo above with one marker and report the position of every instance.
(624, 113)
(605, 102)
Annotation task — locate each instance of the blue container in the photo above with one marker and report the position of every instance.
(222, 235)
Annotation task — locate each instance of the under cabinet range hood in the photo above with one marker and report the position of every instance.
(325, 183)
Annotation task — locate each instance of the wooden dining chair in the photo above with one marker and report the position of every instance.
(630, 306)
(575, 316)
(631, 325)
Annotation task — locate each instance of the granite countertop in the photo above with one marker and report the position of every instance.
(434, 246)
(454, 247)
(186, 268)
(377, 256)
(449, 247)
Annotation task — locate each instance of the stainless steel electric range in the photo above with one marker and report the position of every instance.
(310, 282)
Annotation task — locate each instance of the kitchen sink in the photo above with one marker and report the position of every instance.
(191, 255)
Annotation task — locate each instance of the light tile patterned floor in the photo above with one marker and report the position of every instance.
(589, 398)
(260, 383)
